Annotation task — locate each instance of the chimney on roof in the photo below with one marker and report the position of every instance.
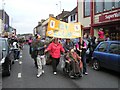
(39, 23)
(62, 10)
(51, 15)
(42, 20)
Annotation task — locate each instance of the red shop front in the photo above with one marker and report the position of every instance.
(111, 24)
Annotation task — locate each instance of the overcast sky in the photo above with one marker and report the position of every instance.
(25, 14)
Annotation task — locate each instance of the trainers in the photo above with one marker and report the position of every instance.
(67, 71)
(43, 71)
(71, 76)
(16, 60)
(81, 75)
(38, 75)
(55, 73)
(86, 73)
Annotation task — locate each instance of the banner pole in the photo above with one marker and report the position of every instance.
(81, 41)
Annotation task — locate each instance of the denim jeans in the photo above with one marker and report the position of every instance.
(84, 63)
(16, 53)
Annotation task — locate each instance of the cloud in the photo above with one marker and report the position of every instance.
(25, 14)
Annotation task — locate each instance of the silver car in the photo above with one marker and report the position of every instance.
(6, 57)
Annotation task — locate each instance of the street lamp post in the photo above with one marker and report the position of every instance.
(56, 9)
(60, 6)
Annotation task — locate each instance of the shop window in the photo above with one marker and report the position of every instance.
(87, 8)
(105, 5)
(113, 32)
(119, 4)
(108, 4)
(98, 6)
(116, 4)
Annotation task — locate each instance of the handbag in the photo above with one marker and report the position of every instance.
(62, 63)
(48, 60)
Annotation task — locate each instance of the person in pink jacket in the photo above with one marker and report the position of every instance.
(101, 35)
(55, 49)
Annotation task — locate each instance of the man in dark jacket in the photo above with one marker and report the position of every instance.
(38, 54)
(68, 45)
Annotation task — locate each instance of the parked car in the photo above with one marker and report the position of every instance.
(6, 57)
(107, 55)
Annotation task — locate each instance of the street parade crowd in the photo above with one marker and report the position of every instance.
(76, 55)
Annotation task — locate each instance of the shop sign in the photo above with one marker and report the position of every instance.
(110, 16)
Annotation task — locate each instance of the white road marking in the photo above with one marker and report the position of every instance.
(20, 56)
(20, 62)
(19, 75)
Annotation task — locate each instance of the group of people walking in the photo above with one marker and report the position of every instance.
(15, 44)
(38, 50)
(83, 49)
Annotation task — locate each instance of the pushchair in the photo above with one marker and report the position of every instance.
(73, 66)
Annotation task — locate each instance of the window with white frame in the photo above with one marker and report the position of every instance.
(86, 7)
(98, 6)
(73, 17)
(116, 4)
(108, 4)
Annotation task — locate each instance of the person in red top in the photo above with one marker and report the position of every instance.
(55, 49)
(101, 35)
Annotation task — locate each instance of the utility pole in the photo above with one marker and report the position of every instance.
(60, 6)
(92, 17)
(12, 26)
(56, 9)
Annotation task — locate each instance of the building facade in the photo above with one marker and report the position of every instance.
(5, 21)
(41, 28)
(62, 15)
(1, 28)
(73, 16)
(94, 15)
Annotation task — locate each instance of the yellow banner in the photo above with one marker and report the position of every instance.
(53, 24)
(61, 29)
